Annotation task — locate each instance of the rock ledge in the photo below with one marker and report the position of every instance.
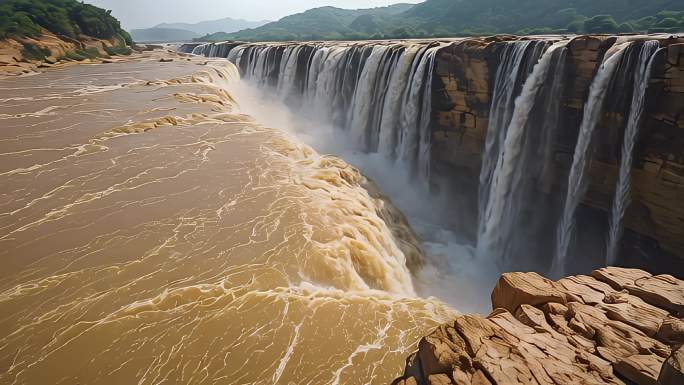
(617, 326)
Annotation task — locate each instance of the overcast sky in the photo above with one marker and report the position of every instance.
(147, 13)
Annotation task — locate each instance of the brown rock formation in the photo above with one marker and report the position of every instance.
(615, 326)
(13, 62)
(466, 72)
(673, 369)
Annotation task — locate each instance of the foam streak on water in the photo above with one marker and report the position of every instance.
(171, 239)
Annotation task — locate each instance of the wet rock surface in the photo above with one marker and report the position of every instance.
(617, 326)
(465, 77)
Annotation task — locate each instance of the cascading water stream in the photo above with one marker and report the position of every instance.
(577, 179)
(500, 112)
(378, 97)
(362, 115)
(515, 164)
(381, 94)
(642, 76)
(427, 65)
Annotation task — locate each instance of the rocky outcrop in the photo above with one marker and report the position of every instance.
(465, 73)
(673, 369)
(14, 62)
(617, 326)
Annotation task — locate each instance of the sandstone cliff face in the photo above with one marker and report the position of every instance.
(614, 327)
(462, 98)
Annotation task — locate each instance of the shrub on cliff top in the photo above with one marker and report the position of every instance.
(33, 52)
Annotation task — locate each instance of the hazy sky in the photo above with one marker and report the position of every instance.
(146, 13)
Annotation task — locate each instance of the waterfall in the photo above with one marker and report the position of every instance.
(427, 65)
(370, 94)
(515, 164)
(394, 103)
(577, 180)
(513, 57)
(379, 93)
(642, 76)
(187, 47)
(378, 98)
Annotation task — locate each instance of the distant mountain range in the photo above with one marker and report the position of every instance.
(176, 32)
(212, 26)
(159, 35)
(435, 18)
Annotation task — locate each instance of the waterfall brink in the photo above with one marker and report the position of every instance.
(378, 99)
(516, 59)
(515, 164)
(642, 76)
(380, 94)
(577, 180)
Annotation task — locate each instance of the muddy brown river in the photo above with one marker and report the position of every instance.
(150, 233)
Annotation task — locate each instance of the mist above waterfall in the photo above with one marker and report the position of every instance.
(370, 103)
(452, 271)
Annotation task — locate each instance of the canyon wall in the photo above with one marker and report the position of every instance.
(465, 73)
(550, 147)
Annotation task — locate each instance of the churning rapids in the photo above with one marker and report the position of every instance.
(371, 104)
(178, 223)
(173, 240)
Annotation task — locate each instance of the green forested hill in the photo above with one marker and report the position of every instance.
(62, 17)
(472, 17)
(320, 23)
(514, 16)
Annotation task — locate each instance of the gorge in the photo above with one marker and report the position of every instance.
(536, 133)
(318, 212)
(556, 154)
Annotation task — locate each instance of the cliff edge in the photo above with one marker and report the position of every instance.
(40, 33)
(617, 326)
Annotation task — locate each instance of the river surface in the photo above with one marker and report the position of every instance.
(151, 233)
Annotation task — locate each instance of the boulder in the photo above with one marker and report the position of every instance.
(672, 372)
(619, 277)
(440, 351)
(671, 331)
(515, 289)
(633, 311)
(617, 324)
(641, 369)
(439, 379)
(664, 291)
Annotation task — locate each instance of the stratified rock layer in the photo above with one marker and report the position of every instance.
(466, 73)
(614, 327)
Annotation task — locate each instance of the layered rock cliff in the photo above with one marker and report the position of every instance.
(464, 85)
(617, 326)
(546, 148)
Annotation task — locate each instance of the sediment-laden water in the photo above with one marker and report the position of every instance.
(387, 101)
(150, 233)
